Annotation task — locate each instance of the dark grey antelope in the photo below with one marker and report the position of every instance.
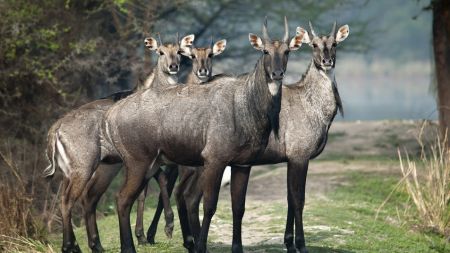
(74, 146)
(201, 72)
(226, 121)
(308, 109)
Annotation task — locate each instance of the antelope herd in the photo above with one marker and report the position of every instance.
(195, 129)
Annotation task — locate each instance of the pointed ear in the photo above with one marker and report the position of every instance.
(186, 51)
(255, 41)
(305, 38)
(297, 40)
(219, 47)
(151, 43)
(187, 41)
(342, 33)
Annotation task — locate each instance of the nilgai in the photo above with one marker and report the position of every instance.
(74, 146)
(201, 72)
(308, 109)
(226, 121)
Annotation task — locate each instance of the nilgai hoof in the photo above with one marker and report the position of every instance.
(292, 250)
(151, 239)
(237, 249)
(71, 248)
(169, 230)
(97, 248)
(130, 250)
(304, 250)
(142, 240)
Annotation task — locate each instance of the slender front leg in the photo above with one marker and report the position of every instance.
(192, 195)
(211, 178)
(135, 181)
(297, 172)
(168, 213)
(188, 240)
(238, 188)
(139, 228)
(171, 173)
(289, 232)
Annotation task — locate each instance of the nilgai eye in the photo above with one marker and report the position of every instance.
(265, 51)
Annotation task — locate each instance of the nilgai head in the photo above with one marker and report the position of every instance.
(202, 58)
(276, 53)
(169, 53)
(324, 47)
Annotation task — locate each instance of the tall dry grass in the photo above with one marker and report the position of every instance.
(426, 180)
(427, 183)
(22, 208)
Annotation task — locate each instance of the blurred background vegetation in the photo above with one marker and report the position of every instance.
(58, 54)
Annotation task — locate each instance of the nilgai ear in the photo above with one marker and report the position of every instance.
(255, 41)
(305, 39)
(342, 33)
(151, 43)
(297, 40)
(187, 41)
(219, 47)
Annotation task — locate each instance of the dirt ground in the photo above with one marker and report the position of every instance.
(369, 146)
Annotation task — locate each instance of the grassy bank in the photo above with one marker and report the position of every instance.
(341, 219)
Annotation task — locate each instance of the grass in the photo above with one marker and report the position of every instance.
(341, 221)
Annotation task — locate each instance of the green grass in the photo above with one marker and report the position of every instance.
(342, 221)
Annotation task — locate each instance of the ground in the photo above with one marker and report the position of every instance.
(345, 188)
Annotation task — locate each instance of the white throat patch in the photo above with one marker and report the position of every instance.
(274, 87)
(172, 79)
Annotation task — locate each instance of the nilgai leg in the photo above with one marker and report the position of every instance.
(210, 178)
(135, 181)
(297, 171)
(238, 188)
(95, 188)
(171, 173)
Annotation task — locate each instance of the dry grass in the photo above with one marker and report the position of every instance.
(22, 244)
(22, 208)
(427, 183)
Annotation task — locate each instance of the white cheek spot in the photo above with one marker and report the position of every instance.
(274, 87)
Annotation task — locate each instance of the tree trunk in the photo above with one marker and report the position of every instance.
(441, 45)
